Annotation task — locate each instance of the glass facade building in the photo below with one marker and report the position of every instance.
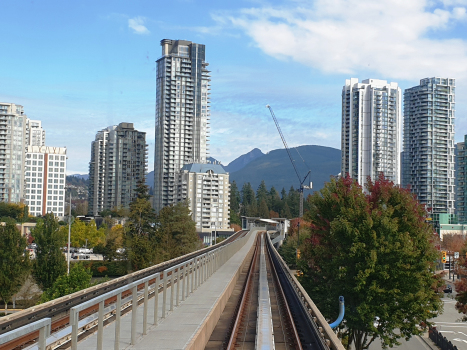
(182, 115)
(461, 183)
(371, 129)
(428, 159)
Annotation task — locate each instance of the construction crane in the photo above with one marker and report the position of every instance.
(301, 181)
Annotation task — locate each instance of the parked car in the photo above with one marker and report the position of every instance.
(447, 289)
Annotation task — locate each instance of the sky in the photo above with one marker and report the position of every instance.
(80, 66)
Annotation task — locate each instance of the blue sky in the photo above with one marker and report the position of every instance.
(80, 66)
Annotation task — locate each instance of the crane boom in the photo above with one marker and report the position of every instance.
(302, 187)
(284, 142)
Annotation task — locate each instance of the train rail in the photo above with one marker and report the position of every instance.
(58, 310)
(266, 314)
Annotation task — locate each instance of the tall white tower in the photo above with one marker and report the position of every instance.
(182, 115)
(371, 129)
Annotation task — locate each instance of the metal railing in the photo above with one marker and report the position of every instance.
(313, 313)
(43, 326)
(183, 279)
(440, 340)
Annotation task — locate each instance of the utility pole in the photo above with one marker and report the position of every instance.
(69, 237)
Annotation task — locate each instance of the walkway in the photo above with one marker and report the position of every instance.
(190, 324)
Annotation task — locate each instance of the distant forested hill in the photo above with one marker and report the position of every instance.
(276, 169)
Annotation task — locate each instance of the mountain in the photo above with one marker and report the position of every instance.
(243, 160)
(276, 169)
(81, 176)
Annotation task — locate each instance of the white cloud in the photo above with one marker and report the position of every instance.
(390, 38)
(137, 24)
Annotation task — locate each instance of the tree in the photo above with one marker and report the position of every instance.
(275, 202)
(177, 231)
(285, 213)
(293, 200)
(263, 211)
(250, 207)
(14, 263)
(140, 238)
(50, 262)
(262, 192)
(83, 233)
(78, 279)
(234, 198)
(375, 249)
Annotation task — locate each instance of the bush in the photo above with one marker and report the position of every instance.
(106, 268)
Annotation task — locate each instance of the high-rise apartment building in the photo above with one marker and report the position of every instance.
(118, 162)
(428, 161)
(45, 180)
(371, 129)
(36, 135)
(182, 115)
(13, 142)
(461, 181)
(207, 189)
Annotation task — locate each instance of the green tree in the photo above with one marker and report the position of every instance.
(78, 279)
(262, 193)
(293, 201)
(14, 263)
(235, 198)
(249, 204)
(286, 213)
(177, 231)
(140, 238)
(274, 202)
(50, 262)
(263, 211)
(374, 249)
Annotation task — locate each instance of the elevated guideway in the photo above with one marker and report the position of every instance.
(182, 306)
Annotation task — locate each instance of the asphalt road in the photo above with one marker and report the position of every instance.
(448, 323)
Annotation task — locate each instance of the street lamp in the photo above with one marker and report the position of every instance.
(69, 236)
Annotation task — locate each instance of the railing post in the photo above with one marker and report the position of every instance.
(145, 310)
(195, 267)
(193, 274)
(156, 297)
(74, 318)
(118, 313)
(172, 289)
(44, 332)
(184, 280)
(100, 325)
(134, 309)
(164, 293)
(177, 299)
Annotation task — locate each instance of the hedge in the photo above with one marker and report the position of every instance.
(101, 268)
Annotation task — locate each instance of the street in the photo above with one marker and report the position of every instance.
(448, 323)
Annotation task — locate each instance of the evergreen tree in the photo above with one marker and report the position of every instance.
(262, 193)
(50, 263)
(235, 197)
(376, 250)
(249, 205)
(235, 201)
(285, 213)
(14, 264)
(177, 231)
(140, 238)
(263, 211)
(293, 200)
(275, 202)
